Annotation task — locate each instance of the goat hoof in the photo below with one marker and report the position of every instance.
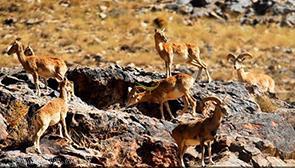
(174, 120)
(211, 161)
(179, 113)
(70, 141)
(75, 123)
(38, 151)
(194, 114)
(203, 164)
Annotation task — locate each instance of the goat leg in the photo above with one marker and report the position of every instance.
(36, 81)
(209, 151)
(162, 111)
(65, 130)
(203, 154)
(169, 111)
(38, 136)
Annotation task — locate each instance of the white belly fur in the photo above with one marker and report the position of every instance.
(192, 142)
(180, 57)
(174, 94)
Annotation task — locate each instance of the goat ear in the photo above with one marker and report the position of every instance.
(231, 57)
(129, 89)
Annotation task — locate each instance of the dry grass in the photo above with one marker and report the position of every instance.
(80, 26)
(17, 113)
(265, 103)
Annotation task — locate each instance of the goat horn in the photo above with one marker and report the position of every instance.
(146, 87)
(231, 56)
(140, 88)
(211, 98)
(243, 55)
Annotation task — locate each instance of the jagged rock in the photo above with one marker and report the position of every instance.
(245, 11)
(276, 162)
(95, 84)
(290, 19)
(240, 6)
(260, 161)
(9, 21)
(183, 1)
(109, 134)
(231, 160)
(3, 128)
(200, 3)
(261, 7)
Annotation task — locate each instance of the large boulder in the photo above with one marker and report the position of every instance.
(107, 133)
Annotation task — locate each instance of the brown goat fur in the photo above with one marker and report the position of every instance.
(182, 52)
(172, 88)
(46, 67)
(200, 132)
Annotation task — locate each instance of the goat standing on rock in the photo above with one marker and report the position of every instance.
(182, 52)
(199, 132)
(45, 67)
(52, 113)
(171, 88)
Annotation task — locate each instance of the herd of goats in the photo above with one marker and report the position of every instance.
(200, 132)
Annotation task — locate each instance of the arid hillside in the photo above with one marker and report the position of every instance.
(109, 48)
(91, 32)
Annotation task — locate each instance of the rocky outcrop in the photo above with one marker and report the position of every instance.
(109, 134)
(246, 11)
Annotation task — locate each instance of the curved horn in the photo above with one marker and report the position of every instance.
(139, 88)
(231, 57)
(244, 55)
(146, 87)
(211, 98)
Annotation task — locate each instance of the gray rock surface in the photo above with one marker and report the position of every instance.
(109, 134)
(246, 11)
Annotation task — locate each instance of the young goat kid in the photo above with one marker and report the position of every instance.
(46, 67)
(264, 82)
(53, 112)
(182, 52)
(170, 88)
(199, 132)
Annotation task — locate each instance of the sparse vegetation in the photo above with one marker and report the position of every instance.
(265, 103)
(74, 31)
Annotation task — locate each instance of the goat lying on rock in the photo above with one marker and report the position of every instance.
(264, 82)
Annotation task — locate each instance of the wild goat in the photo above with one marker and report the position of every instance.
(182, 52)
(52, 113)
(45, 67)
(262, 81)
(170, 88)
(199, 132)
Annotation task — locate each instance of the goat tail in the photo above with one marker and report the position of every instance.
(32, 112)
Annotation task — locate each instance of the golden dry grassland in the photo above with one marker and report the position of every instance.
(130, 23)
